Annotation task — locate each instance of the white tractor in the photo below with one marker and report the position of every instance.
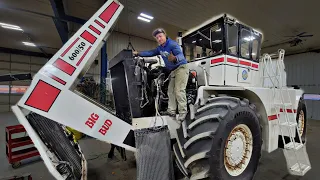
(238, 103)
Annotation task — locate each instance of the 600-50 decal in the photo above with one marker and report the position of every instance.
(77, 51)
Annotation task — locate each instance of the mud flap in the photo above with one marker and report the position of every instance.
(154, 158)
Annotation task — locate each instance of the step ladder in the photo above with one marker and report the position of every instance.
(294, 150)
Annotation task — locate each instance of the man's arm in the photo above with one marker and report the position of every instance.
(177, 51)
(150, 53)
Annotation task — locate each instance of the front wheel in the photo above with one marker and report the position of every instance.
(224, 141)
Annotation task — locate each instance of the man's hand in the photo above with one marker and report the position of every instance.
(171, 57)
(135, 53)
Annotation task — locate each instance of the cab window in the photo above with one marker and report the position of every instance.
(255, 46)
(203, 43)
(245, 41)
(233, 40)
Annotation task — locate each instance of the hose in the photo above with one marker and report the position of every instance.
(156, 103)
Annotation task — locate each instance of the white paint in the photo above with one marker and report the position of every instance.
(146, 122)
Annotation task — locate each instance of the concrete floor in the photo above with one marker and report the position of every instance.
(272, 165)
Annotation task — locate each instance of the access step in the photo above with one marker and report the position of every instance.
(293, 145)
(300, 170)
(289, 124)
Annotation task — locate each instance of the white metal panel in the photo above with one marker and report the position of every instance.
(217, 70)
(196, 65)
(244, 71)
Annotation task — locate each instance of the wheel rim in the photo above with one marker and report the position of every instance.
(238, 150)
(301, 123)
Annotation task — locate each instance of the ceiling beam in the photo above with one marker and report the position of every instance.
(62, 27)
(25, 53)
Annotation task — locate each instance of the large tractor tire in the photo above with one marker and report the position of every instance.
(302, 120)
(223, 141)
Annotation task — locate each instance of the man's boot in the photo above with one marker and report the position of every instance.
(169, 113)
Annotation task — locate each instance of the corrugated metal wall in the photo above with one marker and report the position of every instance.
(13, 64)
(119, 41)
(304, 70)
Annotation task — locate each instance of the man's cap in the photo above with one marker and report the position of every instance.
(157, 31)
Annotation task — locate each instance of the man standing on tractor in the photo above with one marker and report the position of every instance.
(176, 63)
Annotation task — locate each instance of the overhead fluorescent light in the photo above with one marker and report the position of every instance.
(10, 26)
(146, 16)
(218, 30)
(249, 38)
(217, 41)
(143, 19)
(193, 41)
(29, 44)
(13, 28)
(200, 39)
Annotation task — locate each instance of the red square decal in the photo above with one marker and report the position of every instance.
(89, 37)
(107, 14)
(43, 96)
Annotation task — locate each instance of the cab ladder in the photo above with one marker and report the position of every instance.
(294, 148)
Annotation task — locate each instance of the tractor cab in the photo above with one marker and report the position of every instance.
(227, 49)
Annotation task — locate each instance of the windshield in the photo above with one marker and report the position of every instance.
(203, 43)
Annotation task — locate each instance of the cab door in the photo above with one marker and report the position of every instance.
(245, 50)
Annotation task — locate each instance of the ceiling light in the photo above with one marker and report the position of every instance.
(10, 25)
(200, 39)
(218, 30)
(29, 44)
(193, 41)
(146, 16)
(14, 28)
(217, 41)
(143, 19)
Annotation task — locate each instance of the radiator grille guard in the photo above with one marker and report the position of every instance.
(154, 159)
(60, 144)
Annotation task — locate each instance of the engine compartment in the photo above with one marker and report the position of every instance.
(144, 83)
